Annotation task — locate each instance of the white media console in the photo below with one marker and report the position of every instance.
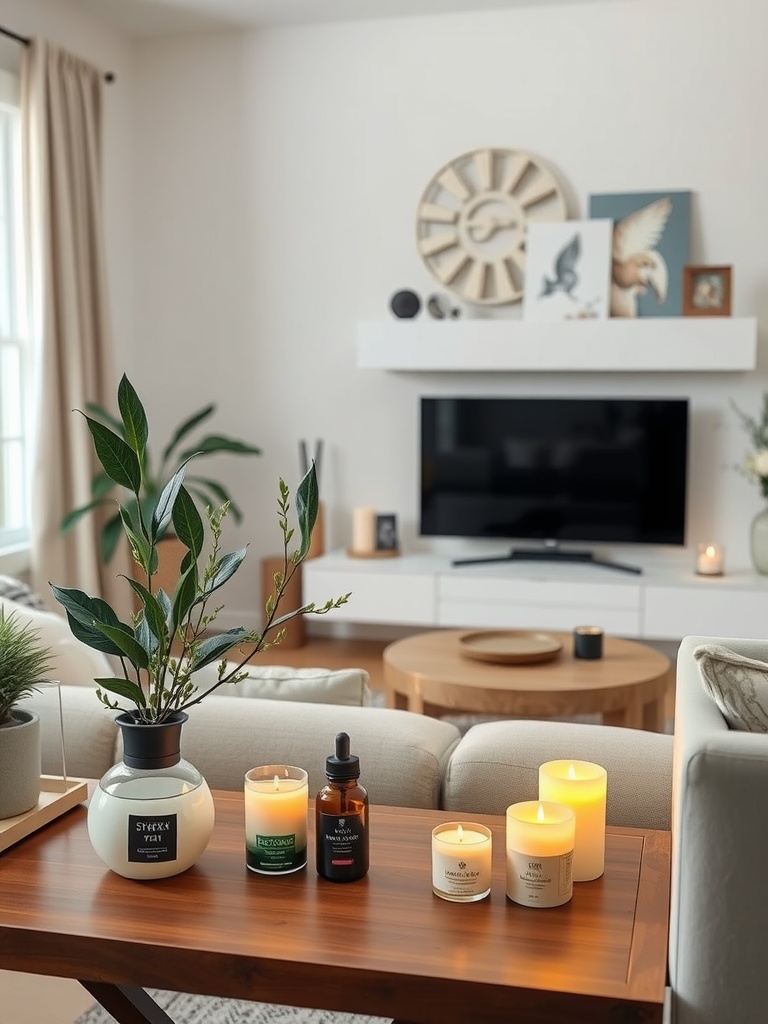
(666, 602)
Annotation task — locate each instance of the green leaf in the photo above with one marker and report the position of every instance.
(214, 647)
(106, 417)
(83, 612)
(188, 523)
(163, 510)
(127, 644)
(307, 503)
(120, 462)
(134, 418)
(124, 688)
(146, 638)
(213, 443)
(111, 533)
(143, 551)
(152, 609)
(186, 426)
(183, 598)
(225, 570)
(101, 484)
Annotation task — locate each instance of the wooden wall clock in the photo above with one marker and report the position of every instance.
(473, 217)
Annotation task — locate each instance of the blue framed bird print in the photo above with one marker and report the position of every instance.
(568, 270)
(651, 245)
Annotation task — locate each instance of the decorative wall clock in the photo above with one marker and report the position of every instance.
(472, 221)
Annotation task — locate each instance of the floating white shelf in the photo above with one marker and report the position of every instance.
(665, 344)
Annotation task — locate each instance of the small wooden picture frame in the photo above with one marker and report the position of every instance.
(706, 291)
(386, 532)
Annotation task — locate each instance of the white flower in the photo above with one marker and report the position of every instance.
(757, 463)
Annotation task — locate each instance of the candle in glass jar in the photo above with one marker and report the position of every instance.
(540, 838)
(709, 560)
(461, 861)
(580, 785)
(276, 805)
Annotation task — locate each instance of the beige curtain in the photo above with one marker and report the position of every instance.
(62, 114)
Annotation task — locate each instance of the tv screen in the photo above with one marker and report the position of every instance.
(609, 470)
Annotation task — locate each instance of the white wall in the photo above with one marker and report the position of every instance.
(268, 187)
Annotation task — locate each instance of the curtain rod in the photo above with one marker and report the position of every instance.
(109, 76)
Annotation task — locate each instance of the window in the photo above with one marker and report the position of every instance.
(15, 361)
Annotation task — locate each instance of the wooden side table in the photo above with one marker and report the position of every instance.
(294, 631)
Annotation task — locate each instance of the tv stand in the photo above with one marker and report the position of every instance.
(552, 553)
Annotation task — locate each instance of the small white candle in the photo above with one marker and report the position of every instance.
(276, 804)
(540, 837)
(461, 861)
(709, 560)
(363, 529)
(580, 785)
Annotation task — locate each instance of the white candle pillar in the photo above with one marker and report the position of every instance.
(540, 837)
(580, 785)
(363, 530)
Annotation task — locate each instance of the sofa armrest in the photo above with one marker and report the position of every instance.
(497, 764)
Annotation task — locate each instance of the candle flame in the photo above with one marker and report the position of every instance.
(540, 813)
(571, 771)
(710, 551)
(460, 831)
(277, 782)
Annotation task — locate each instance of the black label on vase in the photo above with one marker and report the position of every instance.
(342, 846)
(151, 839)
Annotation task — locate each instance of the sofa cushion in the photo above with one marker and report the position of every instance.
(348, 686)
(19, 592)
(737, 684)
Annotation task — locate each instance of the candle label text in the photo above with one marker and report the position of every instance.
(460, 878)
(275, 853)
(540, 881)
(152, 839)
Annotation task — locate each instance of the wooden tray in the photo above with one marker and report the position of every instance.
(510, 646)
(54, 800)
(374, 553)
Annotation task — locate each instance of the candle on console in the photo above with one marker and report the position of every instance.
(540, 838)
(461, 861)
(276, 805)
(580, 785)
(363, 529)
(709, 560)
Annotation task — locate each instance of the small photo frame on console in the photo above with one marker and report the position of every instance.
(706, 291)
(386, 532)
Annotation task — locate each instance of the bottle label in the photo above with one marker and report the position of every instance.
(275, 854)
(342, 846)
(152, 839)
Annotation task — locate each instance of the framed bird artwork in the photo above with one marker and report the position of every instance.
(651, 243)
(568, 274)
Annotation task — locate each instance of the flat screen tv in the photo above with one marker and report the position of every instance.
(554, 470)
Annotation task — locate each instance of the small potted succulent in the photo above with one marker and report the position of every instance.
(169, 639)
(24, 662)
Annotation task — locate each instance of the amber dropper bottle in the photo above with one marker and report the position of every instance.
(341, 818)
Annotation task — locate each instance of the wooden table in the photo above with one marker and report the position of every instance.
(427, 673)
(384, 945)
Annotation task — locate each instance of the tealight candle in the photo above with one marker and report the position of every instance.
(709, 560)
(461, 861)
(581, 786)
(540, 837)
(276, 804)
(363, 530)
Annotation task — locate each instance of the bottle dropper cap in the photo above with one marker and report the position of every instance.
(343, 765)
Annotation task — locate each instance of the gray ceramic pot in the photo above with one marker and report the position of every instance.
(19, 764)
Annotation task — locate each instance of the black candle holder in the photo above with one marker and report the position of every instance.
(588, 642)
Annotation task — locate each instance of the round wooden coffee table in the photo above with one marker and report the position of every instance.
(427, 673)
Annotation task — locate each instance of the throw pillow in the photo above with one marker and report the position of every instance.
(347, 686)
(20, 593)
(738, 685)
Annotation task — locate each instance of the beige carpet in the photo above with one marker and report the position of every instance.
(189, 1009)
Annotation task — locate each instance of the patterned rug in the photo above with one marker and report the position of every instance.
(190, 1009)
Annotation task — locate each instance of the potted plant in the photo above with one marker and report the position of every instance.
(169, 639)
(24, 662)
(154, 473)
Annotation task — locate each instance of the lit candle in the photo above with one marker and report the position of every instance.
(581, 786)
(540, 837)
(363, 529)
(709, 560)
(461, 861)
(276, 803)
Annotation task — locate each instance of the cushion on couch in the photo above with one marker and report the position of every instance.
(737, 684)
(347, 686)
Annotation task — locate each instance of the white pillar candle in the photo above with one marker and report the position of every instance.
(276, 804)
(709, 560)
(540, 838)
(363, 529)
(461, 861)
(581, 786)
